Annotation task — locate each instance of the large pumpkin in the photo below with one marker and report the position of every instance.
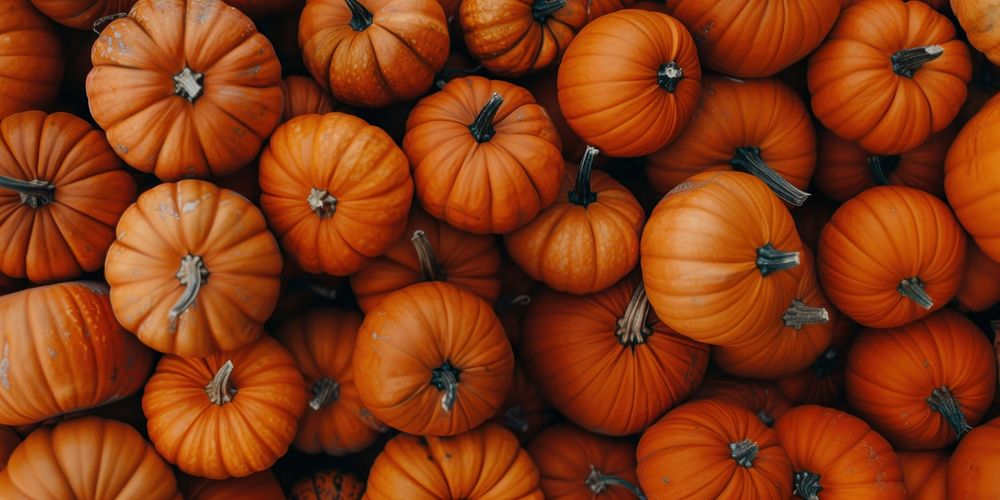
(374, 52)
(260, 486)
(327, 485)
(485, 157)
(980, 287)
(972, 467)
(976, 19)
(891, 255)
(574, 465)
(630, 82)
(925, 474)
(303, 97)
(62, 191)
(64, 352)
(889, 75)
(336, 191)
(760, 397)
(31, 60)
(82, 14)
(184, 88)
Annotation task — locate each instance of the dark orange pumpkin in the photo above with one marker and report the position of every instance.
(83, 14)
(546, 92)
(822, 383)
(972, 466)
(925, 474)
(980, 287)
(976, 19)
(760, 397)
(304, 97)
(260, 486)
(31, 61)
(327, 485)
(574, 465)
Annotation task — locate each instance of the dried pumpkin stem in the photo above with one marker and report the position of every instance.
(542, 9)
(598, 482)
(765, 417)
(324, 392)
(943, 401)
(770, 259)
(189, 84)
(748, 159)
(805, 485)
(322, 203)
(825, 364)
(482, 127)
(581, 193)
(34, 193)
(880, 166)
(218, 389)
(445, 379)
(798, 315)
(669, 75)
(514, 419)
(430, 268)
(632, 329)
(913, 289)
(744, 452)
(192, 274)
(906, 62)
(361, 18)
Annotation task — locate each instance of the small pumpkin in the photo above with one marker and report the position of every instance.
(972, 464)
(575, 464)
(9, 439)
(327, 485)
(980, 287)
(82, 14)
(304, 97)
(760, 397)
(31, 62)
(259, 486)
(925, 474)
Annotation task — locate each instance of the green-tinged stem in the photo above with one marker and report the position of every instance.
(542, 9)
(748, 159)
(581, 193)
(361, 18)
(943, 401)
(744, 452)
(598, 482)
(445, 378)
(799, 315)
(770, 259)
(34, 193)
(913, 289)
(906, 62)
(806, 485)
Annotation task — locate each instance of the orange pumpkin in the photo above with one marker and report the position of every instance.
(304, 97)
(973, 463)
(822, 383)
(980, 287)
(574, 464)
(760, 397)
(82, 14)
(970, 179)
(31, 62)
(260, 486)
(9, 439)
(925, 474)
(546, 92)
(975, 16)
(598, 8)
(327, 485)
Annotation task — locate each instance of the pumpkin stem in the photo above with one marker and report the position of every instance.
(749, 160)
(448, 74)
(189, 84)
(430, 268)
(880, 167)
(798, 315)
(744, 452)
(943, 401)
(806, 485)
(218, 389)
(581, 193)
(482, 127)
(192, 274)
(598, 482)
(322, 203)
(542, 9)
(766, 418)
(324, 391)
(913, 289)
(361, 18)
(669, 76)
(632, 329)
(514, 419)
(99, 23)
(824, 365)
(445, 378)
(770, 259)
(34, 193)
(906, 62)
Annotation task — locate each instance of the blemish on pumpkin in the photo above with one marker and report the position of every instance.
(239, 131)
(665, 480)
(52, 353)
(254, 70)
(190, 206)
(123, 149)
(5, 366)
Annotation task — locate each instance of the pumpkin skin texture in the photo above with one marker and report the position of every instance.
(483, 163)
(335, 190)
(717, 256)
(260, 486)
(372, 53)
(980, 287)
(708, 449)
(327, 485)
(230, 414)
(605, 361)
(184, 88)
(891, 255)
(31, 62)
(889, 75)
(975, 17)
(9, 439)
(81, 14)
(973, 463)
(304, 97)
(576, 465)
(442, 253)
(119, 464)
(925, 474)
(752, 39)
(851, 460)
(189, 238)
(634, 96)
(64, 352)
(322, 343)
(760, 397)
(921, 384)
(62, 190)
(432, 359)
(492, 466)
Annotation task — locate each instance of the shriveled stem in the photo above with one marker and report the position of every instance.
(322, 203)
(880, 166)
(482, 127)
(943, 401)
(669, 75)
(34, 193)
(748, 159)
(192, 274)
(218, 389)
(632, 329)
(189, 84)
(799, 315)
(324, 392)
(542, 9)
(744, 452)
(806, 485)
(445, 378)
(430, 268)
(913, 289)
(770, 259)
(906, 62)
(581, 193)
(598, 482)
(361, 18)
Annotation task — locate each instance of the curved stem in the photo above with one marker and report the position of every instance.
(798, 315)
(322, 203)
(749, 160)
(632, 329)
(770, 259)
(324, 392)
(361, 18)
(806, 485)
(430, 268)
(482, 126)
(906, 62)
(218, 389)
(669, 76)
(542, 9)
(35, 193)
(189, 84)
(514, 419)
(192, 274)
(880, 167)
(99, 23)
(581, 193)
(766, 418)
(825, 364)
(744, 452)
(943, 401)
(445, 378)
(913, 289)
(598, 482)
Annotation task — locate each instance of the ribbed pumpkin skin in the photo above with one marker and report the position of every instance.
(64, 352)
(564, 456)
(493, 466)
(70, 234)
(88, 459)
(980, 287)
(303, 97)
(598, 8)
(975, 18)
(81, 14)
(260, 486)
(972, 467)
(31, 62)
(925, 474)
(760, 397)
(327, 485)
(9, 439)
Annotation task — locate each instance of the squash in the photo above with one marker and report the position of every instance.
(925, 474)
(303, 97)
(970, 469)
(32, 60)
(574, 464)
(83, 14)
(975, 18)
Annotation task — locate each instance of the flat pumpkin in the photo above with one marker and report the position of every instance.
(327, 485)
(575, 464)
(971, 467)
(925, 474)
(760, 397)
(82, 14)
(31, 62)
(260, 486)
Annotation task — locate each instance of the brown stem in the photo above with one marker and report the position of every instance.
(799, 315)
(542, 9)
(632, 329)
(482, 127)
(749, 160)
(669, 76)
(806, 485)
(192, 274)
(430, 268)
(322, 203)
(34, 193)
(943, 401)
(913, 289)
(324, 391)
(189, 84)
(218, 389)
(744, 452)
(770, 259)
(598, 482)
(880, 166)
(581, 193)
(361, 18)
(445, 378)
(906, 62)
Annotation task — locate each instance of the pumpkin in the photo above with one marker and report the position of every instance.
(492, 465)
(822, 383)
(83, 14)
(574, 464)
(524, 411)
(755, 126)
(980, 287)
(973, 463)
(31, 62)
(9, 439)
(891, 255)
(230, 414)
(335, 190)
(974, 17)
(259, 9)
(925, 474)
(322, 343)
(184, 88)
(546, 92)
(194, 269)
(754, 39)
(605, 362)
(943, 378)
(588, 239)
(514, 37)
(327, 485)
(837, 455)
(64, 352)
(760, 397)
(709, 449)
(260, 486)
(889, 75)
(431, 250)
(304, 97)
(716, 256)
(89, 459)
(62, 191)
(630, 82)
(374, 52)
(598, 8)
(485, 157)
(432, 359)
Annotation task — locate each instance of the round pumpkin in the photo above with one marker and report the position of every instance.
(62, 190)
(230, 414)
(760, 397)
(83, 14)
(972, 467)
(576, 465)
(432, 359)
(925, 474)
(327, 485)
(304, 97)
(709, 449)
(260, 486)
(524, 411)
(87, 459)
(184, 88)
(891, 255)
(374, 52)
(716, 256)
(31, 60)
(335, 190)
(630, 82)
(980, 287)
(889, 75)
(836, 456)
(485, 156)
(975, 17)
